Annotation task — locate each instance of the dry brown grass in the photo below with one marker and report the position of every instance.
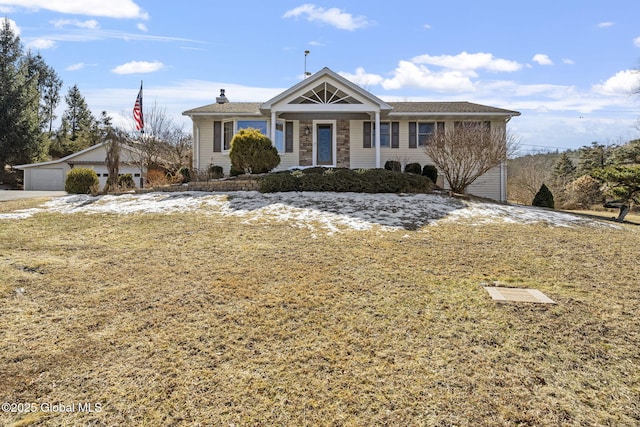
(202, 320)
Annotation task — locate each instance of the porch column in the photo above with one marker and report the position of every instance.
(273, 127)
(377, 139)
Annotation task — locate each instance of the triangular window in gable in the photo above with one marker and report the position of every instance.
(325, 93)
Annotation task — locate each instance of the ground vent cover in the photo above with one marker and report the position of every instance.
(503, 294)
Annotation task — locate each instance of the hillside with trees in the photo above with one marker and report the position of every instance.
(586, 178)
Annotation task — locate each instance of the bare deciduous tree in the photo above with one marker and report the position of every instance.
(468, 151)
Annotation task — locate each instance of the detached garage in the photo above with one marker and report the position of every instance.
(50, 176)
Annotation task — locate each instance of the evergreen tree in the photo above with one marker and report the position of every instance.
(79, 117)
(596, 156)
(543, 198)
(49, 85)
(20, 136)
(564, 170)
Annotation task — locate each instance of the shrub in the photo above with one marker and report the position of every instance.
(253, 152)
(215, 172)
(234, 171)
(186, 174)
(81, 181)
(543, 198)
(125, 182)
(393, 165)
(342, 180)
(156, 177)
(413, 168)
(431, 172)
(584, 192)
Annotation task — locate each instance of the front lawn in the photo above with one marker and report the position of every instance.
(194, 318)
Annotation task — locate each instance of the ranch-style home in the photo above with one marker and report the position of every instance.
(326, 120)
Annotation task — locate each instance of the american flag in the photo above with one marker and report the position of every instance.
(137, 112)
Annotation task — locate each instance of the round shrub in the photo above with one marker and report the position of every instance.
(543, 198)
(252, 152)
(215, 172)
(431, 172)
(392, 165)
(81, 181)
(125, 182)
(414, 168)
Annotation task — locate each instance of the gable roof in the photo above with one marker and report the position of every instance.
(448, 108)
(70, 157)
(324, 75)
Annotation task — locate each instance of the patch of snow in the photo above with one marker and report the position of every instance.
(331, 212)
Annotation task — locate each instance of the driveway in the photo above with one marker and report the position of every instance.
(6, 195)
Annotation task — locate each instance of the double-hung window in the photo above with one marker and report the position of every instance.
(389, 134)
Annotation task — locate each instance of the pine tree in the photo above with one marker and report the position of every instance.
(564, 170)
(49, 85)
(543, 198)
(596, 156)
(20, 136)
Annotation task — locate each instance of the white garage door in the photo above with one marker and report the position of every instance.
(47, 179)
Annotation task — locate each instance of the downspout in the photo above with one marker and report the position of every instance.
(196, 157)
(378, 139)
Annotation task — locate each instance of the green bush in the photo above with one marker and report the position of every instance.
(431, 172)
(186, 174)
(126, 182)
(215, 172)
(343, 180)
(81, 181)
(252, 152)
(234, 171)
(392, 165)
(413, 168)
(543, 198)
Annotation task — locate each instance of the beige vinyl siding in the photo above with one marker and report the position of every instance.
(488, 185)
(205, 152)
(366, 157)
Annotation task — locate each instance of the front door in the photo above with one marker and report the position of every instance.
(324, 152)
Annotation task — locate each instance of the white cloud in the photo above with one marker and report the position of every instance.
(41, 44)
(76, 67)
(111, 8)
(623, 83)
(136, 67)
(426, 26)
(91, 24)
(333, 16)
(469, 61)
(142, 27)
(542, 59)
(568, 61)
(363, 79)
(408, 74)
(636, 41)
(606, 24)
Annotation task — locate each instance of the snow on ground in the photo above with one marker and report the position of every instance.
(331, 212)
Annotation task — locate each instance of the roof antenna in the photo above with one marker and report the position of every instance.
(306, 73)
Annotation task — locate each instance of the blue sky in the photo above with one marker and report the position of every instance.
(568, 66)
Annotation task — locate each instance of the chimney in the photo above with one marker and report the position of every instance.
(222, 99)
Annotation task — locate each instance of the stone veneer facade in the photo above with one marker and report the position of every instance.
(342, 148)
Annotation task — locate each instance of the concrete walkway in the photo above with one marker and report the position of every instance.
(6, 195)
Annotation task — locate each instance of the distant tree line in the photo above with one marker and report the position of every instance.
(29, 96)
(597, 175)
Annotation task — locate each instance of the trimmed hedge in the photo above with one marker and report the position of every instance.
(431, 172)
(345, 180)
(81, 181)
(413, 168)
(393, 165)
